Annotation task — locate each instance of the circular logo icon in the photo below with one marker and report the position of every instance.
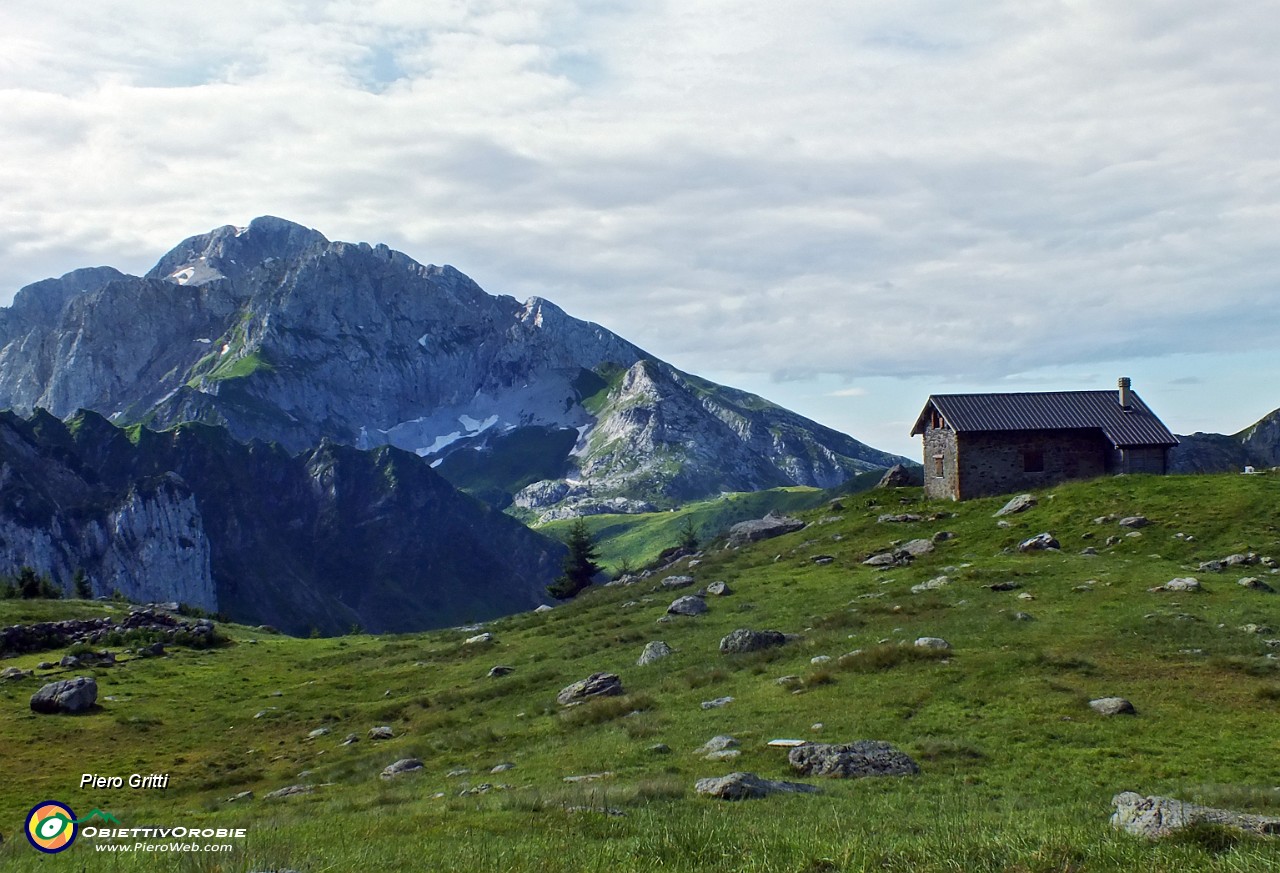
(51, 826)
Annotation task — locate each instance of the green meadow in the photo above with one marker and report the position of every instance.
(1017, 772)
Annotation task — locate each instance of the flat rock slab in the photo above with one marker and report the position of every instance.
(1021, 503)
(399, 768)
(748, 786)
(852, 760)
(69, 697)
(595, 685)
(289, 791)
(717, 703)
(677, 582)
(899, 518)
(1154, 817)
(1182, 583)
(782, 743)
(772, 525)
(746, 640)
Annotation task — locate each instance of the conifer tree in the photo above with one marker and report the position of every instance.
(579, 564)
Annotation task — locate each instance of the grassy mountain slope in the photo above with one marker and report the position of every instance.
(1017, 771)
(635, 540)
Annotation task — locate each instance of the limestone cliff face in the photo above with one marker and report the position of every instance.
(279, 334)
(300, 542)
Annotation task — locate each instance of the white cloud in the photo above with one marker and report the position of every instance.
(885, 188)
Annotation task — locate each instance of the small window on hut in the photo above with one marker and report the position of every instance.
(1033, 461)
(937, 467)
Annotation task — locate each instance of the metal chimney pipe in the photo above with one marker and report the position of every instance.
(1126, 401)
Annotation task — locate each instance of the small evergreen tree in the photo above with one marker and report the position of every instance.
(688, 535)
(84, 590)
(28, 584)
(579, 564)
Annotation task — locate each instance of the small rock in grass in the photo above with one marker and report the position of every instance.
(1021, 503)
(717, 703)
(747, 786)
(500, 670)
(399, 768)
(718, 589)
(687, 605)
(595, 685)
(932, 643)
(852, 760)
(381, 732)
(1039, 542)
(654, 651)
(1112, 706)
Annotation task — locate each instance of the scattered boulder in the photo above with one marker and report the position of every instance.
(15, 673)
(821, 560)
(318, 733)
(1039, 542)
(717, 703)
(654, 651)
(718, 743)
(687, 605)
(1021, 503)
(745, 640)
(543, 608)
(478, 639)
(885, 560)
(1004, 586)
(747, 786)
(243, 795)
(677, 582)
(1134, 521)
(502, 768)
(659, 749)
(595, 685)
(1112, 706)
(719, 589)
(1023, 616)
(932, 643)
(1255, 584)
(289, 791)
(943, 535)
(349, 740)
(70, 696)
(399, 768)
(932, 585)
(1252, 628)
(772, 525)
(1182, 583)
(897, 476)
(500, 670)
(1153, 817)
(851, 760)
(382, 732)
(916, 548)
(899, 518)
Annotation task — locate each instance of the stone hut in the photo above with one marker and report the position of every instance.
(976, 445)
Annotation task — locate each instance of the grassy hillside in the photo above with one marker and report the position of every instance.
(636, 540)
(1017, 771)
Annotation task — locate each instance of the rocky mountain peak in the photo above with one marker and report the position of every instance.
(235, 252)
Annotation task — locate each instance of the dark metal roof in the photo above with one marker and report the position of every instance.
(1052, 410)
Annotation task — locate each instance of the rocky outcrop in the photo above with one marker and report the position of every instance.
(746, 640)
(748, 786)
(296, 541)
(25, 638)
(279, 334)
(1153, 816)
(851, 760)
(1258, 446)
(595, 685)
(68, 697)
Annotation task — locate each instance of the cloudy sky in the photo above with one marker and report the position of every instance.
(844, 206)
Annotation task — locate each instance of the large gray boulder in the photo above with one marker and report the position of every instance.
(595, 685)
(745, 640)
(1154, 817)
(399, 768)
(1112, 706)
(746, 786)
(654, 651)
(852, 760)
(687, 605)
(772, 525)
(69, 696)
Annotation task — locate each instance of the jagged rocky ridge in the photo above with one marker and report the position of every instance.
(327, 539)
(277, 333)
(1257, 445)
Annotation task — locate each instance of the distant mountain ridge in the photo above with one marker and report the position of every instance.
(276, 333)
(325, 540)
(1258, 445)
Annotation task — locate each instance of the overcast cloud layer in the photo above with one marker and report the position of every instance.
(823, 191)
